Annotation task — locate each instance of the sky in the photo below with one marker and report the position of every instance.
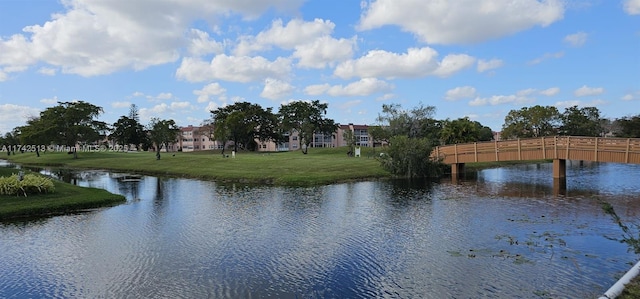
(181, 59)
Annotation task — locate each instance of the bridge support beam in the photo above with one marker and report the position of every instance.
(457, 169)
(559, 168)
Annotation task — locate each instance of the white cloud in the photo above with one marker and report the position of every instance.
(94, 38)
(233, 68)
(201, 44)
(576, 39)
(324, 51)
(164, 110)
(295, 33)
(463, 21)
(47, 71)
(385, 97)
(517, 99)
(121, 104)
(550, 91)
(275, 89)
(567, 104)
(413, 64)
(12, 116)
(588, 91)
(631, 96)
(526, 92)
(547, 56)
(363, 87)
(632, 7)
(211, 89)
(349, 104)
(462, 92)
(486, 65)
(50, 101)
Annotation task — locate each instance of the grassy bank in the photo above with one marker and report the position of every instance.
(65, 199)
(320, 166)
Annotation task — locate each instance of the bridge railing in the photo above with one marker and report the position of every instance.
(618, 150)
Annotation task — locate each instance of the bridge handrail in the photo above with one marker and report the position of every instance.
(604, 149)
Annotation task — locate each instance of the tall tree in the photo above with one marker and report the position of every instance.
(628, 127)
(463, 130)
(162, 132)
(129, 131)
(306, 118)
(243, 123)
(585, 121)
(411, 137)
(68, 123)
(536, 121)
(415, 123)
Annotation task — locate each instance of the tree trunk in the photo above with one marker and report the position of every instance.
(157, 152)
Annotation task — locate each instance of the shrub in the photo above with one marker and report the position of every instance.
(30, 184)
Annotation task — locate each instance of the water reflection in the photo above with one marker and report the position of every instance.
(500, 233)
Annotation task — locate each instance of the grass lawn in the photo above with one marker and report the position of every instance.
(65, 199)
(319, 166)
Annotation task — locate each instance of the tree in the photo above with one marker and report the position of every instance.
(350, 138)
(463, 130)
(585, 121)
(243, 123)
(306, 118)
(161, 132)
(11, 140)
(628, 127)
(129, 131)
(415, 123)
(411, 137)
(68, 123)
(536, 121)
(410, 157)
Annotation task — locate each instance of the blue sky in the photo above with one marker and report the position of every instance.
(180, 59)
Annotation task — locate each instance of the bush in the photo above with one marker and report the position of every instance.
(410, 157)
(30, 184)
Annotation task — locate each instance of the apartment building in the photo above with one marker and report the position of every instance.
(192, 138)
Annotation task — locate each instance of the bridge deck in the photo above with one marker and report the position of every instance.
(617, 150)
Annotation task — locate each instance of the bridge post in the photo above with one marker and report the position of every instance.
(457, 169)
(559, 168)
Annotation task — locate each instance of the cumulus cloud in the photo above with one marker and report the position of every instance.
(487, 65)
(363, 87)
(12, 116)
(547, 56)
(275, 89)
(294, 33)
(462, 21)
(631, 96)
(520, 98)
(200, 44)
(462, 92)
(576, 39)
(632, 7)
(324, 51)
(550, 91)
(417, 62)
(164, 110)
(588, 91)
(211, 89)
(50, 101)
(94, 38)
(233, 68)
(567, 104)
(121, 104)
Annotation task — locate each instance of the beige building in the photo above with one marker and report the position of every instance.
(193, 138)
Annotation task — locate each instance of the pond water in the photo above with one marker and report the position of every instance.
(498, 233)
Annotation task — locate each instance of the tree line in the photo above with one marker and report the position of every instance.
(410, 134)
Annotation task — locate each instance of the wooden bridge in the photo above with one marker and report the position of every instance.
(557, 148)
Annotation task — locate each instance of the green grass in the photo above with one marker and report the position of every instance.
(319, 166)
(65, 199)
(631, 290)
